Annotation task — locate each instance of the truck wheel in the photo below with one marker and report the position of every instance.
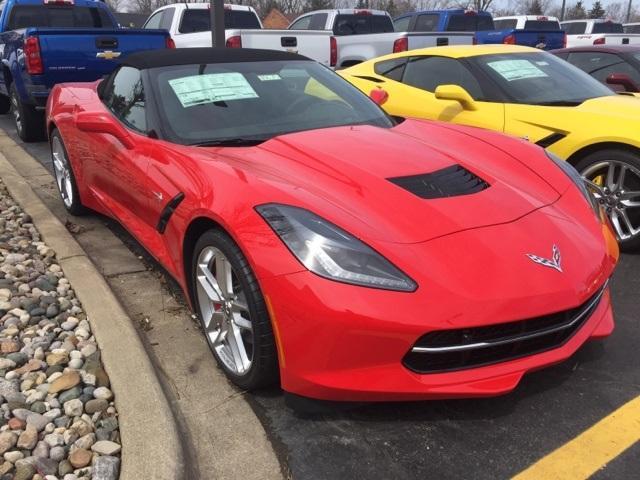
(29, 122)
(5, 105)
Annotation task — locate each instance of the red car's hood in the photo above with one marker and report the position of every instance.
(349, 168)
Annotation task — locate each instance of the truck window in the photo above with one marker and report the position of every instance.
(357, 24)
(575, 28)
(508, 24)
(607, 27)
(401, 24)
(470, 23)
(154, 20)
(427, 73)
(124, 96)
(427, 23)
(200, 21)
(547, 25)
(23, 16)
(301, 24)
(632, 29)
(167, 18)
(318, 21)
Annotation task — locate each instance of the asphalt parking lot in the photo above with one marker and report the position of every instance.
(480, 439)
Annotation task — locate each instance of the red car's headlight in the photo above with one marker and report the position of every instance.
(330, 252)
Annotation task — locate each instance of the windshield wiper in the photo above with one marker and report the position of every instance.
(230, 142)
(560, 103)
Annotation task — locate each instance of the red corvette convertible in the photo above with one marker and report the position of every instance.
(352, 255)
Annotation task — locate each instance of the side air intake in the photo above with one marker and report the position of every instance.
(451, 181)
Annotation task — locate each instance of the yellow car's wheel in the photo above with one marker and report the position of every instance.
(614, 176)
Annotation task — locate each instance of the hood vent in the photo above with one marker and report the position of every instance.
(449, 182)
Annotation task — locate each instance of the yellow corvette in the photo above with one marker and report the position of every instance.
(528, 93)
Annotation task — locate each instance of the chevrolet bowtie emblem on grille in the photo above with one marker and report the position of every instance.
(555, 261)
(108, 55)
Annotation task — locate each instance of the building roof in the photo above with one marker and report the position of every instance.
(275, 19)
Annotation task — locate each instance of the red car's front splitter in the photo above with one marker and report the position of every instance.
(355, 358)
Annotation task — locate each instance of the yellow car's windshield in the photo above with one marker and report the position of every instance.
(539, 78)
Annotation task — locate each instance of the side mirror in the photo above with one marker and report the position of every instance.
(379, 95)
(624, 81)
(102, 123)
(457, 94)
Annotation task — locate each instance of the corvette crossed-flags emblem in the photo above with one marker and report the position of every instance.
(554, 262)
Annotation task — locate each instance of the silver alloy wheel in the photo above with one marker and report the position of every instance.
(616, 185)
(62, 171)
(15, 109)
(226, 319)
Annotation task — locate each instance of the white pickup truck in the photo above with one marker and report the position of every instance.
(190, 23)
(341, 38)
(336, 38)
(597, 32)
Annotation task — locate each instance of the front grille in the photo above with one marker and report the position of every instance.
(448, 182)
(447, 350)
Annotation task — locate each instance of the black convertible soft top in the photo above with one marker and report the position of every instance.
(199, 56)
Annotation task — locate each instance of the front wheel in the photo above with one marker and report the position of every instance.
(232, 312)
(63, 173)
(614, 175)
(28, 121)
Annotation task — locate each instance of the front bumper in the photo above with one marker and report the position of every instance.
(332, 354)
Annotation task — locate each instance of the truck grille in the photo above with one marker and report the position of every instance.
(448, 350)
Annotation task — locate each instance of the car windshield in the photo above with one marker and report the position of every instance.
(539, 79)
(249, 102)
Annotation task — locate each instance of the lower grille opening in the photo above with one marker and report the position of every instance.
(448, 350)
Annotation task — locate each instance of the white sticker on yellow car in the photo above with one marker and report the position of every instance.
(512, 70)
(213, 87)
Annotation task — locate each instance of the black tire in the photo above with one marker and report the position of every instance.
(264, 367)
(74, 203)
(28, 121)
(5, 105)
(593, 165)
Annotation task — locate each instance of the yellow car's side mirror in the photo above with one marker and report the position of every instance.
(457, 94)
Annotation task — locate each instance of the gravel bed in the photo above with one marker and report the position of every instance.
(57, 418)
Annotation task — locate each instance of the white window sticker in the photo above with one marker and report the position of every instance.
(213, 87)
(267, 78)
(516, 69)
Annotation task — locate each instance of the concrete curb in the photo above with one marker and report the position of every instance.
(149, 433)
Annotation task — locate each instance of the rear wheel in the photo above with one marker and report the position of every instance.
(615, 177)
(232, 312)
(63, 173)
(28, 121)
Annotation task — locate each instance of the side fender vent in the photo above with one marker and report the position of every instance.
(449, 182)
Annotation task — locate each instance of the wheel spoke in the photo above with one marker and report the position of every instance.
(236, 346)
(615, 221)
(209, 284)
(223, 276)
(627, 223)
(596, 189)
(630, 199)
(242, 322)
(611, 176)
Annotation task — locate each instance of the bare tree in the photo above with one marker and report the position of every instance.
(116, 5)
